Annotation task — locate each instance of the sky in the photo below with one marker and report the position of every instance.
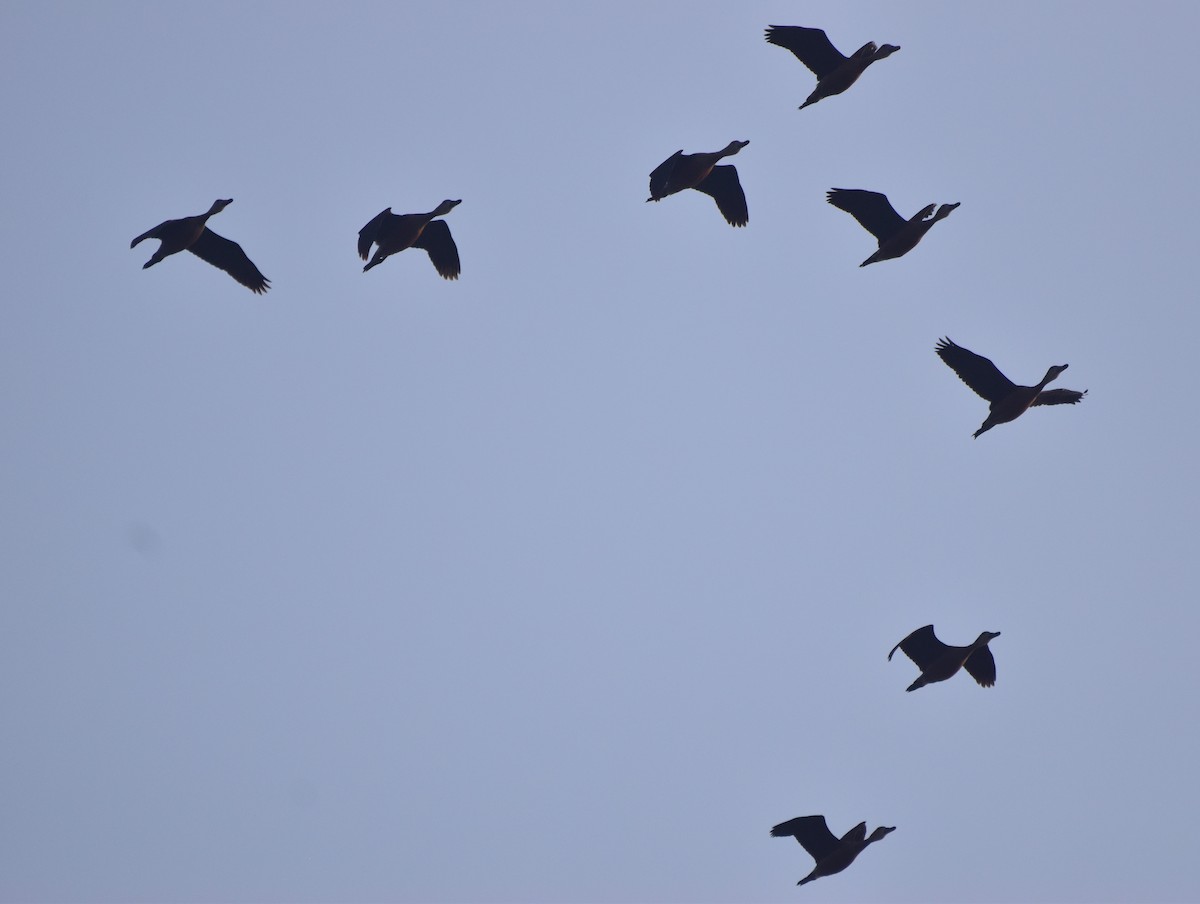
(567, 580)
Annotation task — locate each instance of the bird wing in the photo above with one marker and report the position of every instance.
(856, 834)
(810, 45)
(977, 371)
(922, 647)
(873, 211)
(149, 234)
(812, 832)
(229, 256)
(722, 186)
(437, 240)
(982, 667)
(662, 175)
(1058, 397)
(368, 233)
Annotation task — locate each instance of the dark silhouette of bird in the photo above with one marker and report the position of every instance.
(701, 172)
(192, 234)
(835, 73)
(395, 232)
(1008, 400)
(832, 854)
(938, 661)
(897, 236)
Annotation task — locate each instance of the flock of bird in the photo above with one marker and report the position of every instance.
(938, 662)
(391, 233)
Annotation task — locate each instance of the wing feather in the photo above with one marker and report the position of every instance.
(439, 243)
(229, 256)
(981, 666)
(921, 646)
(1058, 397)
(369, 233)
(661, 176)
(976, 371)
(872, 209)
(812, 832)
(723, 186)
(811, 46)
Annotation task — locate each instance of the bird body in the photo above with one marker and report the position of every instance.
(192, 234)
(834, 71)
(832, 854)
(392, 233)
(681, 171)
(938, 661)
(874, 212)
(1008, 401)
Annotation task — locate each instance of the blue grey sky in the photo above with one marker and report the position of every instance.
(568, 580)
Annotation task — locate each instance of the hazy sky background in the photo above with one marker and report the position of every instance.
(568, 580)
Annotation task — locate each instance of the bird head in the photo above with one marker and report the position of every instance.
(880, 833)
(445, 207)
(219, 205)
(1054, 372)
(944, 210)
(734, 146)
(987, 637)
(885, 50)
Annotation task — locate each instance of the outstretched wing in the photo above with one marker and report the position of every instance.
(149, 234)
(1058, 397)
(437, 240)
(229, 256)
(810, 45)
(812, 833)
(662, 175)
(873, 211)
(922, 647)
(722, 186)
(370, 232)
(979, 372)
(982, 667)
